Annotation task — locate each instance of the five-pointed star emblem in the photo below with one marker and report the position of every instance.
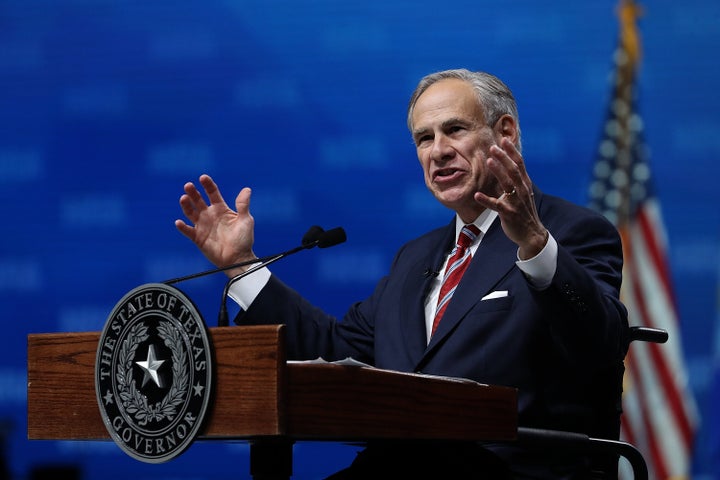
(198, 389)
(150, 367)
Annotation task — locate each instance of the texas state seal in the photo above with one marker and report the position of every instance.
(153, 373)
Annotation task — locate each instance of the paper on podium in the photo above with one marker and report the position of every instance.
(351, 362)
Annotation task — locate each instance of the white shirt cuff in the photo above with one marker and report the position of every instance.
(541, 268)
(245, 290)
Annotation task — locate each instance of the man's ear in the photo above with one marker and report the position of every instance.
(507, 127)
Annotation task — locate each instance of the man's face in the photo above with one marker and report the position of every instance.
(452, 142)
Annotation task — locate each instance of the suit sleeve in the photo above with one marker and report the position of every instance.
(587, 320)
(310, 332)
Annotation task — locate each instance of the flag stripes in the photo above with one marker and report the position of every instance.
(656, 370)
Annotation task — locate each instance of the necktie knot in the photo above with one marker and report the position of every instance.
(468, 234)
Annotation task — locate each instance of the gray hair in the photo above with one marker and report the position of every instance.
(493, 95)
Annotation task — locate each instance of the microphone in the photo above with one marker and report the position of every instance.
(314, 237)
(313, 234)
(331, 238)
(430, 273)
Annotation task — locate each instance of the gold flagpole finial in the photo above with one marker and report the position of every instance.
(628, 12)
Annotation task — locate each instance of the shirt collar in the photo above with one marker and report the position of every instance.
(483, 222)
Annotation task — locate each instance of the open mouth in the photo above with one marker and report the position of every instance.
(445, 174)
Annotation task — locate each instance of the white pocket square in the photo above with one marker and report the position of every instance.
(495, 294)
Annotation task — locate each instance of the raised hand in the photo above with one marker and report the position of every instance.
(515, 207)
(223, 235)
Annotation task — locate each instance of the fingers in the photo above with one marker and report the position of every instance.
(509, 153)
(506, 163)
(242, 201)
(197, 210)
(211, 190)
(194, 198)
(185, 229)
(193, 203)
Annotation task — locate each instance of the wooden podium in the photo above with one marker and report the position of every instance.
(271, 403)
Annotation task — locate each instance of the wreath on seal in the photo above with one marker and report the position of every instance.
(136, 403)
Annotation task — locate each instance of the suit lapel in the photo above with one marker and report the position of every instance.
(416, 288)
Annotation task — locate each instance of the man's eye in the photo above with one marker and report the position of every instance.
(423, 139)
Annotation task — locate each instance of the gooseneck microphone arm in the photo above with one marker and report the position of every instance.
(314, 237)
(309, 240)
(216, 270)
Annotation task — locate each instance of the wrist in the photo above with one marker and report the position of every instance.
(534, 245)
(241, 265)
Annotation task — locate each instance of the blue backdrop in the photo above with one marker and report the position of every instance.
(108, 107)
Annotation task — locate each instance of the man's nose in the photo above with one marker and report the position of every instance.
(441, 148)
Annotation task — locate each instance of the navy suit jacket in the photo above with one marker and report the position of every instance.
(562, 347)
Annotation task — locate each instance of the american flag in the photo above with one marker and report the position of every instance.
(659, 412)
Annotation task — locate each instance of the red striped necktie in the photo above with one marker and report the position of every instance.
(457, 264)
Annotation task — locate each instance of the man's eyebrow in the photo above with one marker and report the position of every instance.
(445, 124)
(456, 121)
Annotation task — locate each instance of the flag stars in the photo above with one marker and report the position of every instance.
(620, 107)
(619, 179)
(613, 199)
(641, 172)
(612, 128)
(607, 150)
(602, 169)
(636, 123)
(597, 190)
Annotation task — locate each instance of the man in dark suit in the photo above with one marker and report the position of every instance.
(537, 309)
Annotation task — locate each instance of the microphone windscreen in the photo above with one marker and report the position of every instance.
(312, 235)
(332, 237)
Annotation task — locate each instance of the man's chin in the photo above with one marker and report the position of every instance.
(452, 198)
